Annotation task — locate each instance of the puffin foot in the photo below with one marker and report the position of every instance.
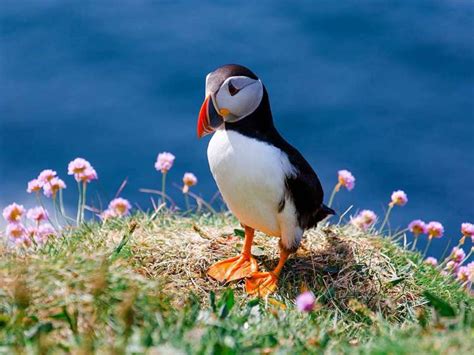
(232, 269)
(261, 284)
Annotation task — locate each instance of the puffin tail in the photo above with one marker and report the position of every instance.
(323, 212)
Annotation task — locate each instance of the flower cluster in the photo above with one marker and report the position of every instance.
(51, 188)
(431, 261)
(364, 220)
(399, 198)
(346, 179)
(82, 170)
(453, 265)
(434, 229)
(37, 214)
(18, 231)
(465, 274)
(48, 181)
(417, 227)
(189, 179)
(454, 261)
(306, 302)
(457, 254)
(164, 162)
(467, 230)
(118, 207)
(13, 213)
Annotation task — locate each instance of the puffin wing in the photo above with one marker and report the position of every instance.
(305, 189)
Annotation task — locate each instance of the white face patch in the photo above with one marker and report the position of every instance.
(207, 91)
(240, 96)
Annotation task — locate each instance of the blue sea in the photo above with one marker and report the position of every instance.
(384, 89)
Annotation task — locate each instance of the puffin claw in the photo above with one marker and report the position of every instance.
(261, 283)
(232, 269)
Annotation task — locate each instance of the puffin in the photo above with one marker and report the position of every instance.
(264, 181)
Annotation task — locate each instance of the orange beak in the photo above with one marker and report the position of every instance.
(209, 120)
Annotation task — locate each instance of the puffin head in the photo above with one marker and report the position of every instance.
(233, 92)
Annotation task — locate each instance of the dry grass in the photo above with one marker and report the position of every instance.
(340, 263)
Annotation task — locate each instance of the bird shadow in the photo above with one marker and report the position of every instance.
(331, 270)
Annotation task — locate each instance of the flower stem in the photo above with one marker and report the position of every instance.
(443, 258)
(40, 202)
(186, 200)
(84, 189)
(333, 193)
(413, 247)
(56, 208)
(62, 210)
(390, 206)
(467, 256)
(445, 251)
(79, 203)
(61, 203)
(163, 187)
(427, 246)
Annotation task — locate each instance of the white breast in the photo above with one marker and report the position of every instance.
(250, 175)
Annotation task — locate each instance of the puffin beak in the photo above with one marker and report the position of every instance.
(209, 120)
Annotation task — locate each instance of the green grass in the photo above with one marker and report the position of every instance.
(139, 285)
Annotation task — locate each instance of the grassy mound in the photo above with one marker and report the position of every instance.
(140, 285)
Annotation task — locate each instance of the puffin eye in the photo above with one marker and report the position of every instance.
(232, 89)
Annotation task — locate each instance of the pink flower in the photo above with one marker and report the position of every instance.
(31, 232)
(457, 254)
(46, 231)
(87, 176)
(82, 170)
(15, 231)
(364, 220)
(470, 271)
(40, 234)
(77, 166)
(431, 261)
(189, 179)
(452, 267)
(306, 302)
(46, 176)
(53, 186)
(346, 179)
(37, 214)
(13, 213)
(467, 229)
(34, 185)
(463, 274)
(120, 207)
(435, 229)
(108, 214)
(164, 162)
(21, 242)
(399, 198)
(417, 227)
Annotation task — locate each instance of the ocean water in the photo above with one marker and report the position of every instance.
(384, 89)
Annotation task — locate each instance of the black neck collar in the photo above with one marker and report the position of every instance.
(259, 124)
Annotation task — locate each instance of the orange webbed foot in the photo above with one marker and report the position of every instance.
(232, 269)
(261, 283)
